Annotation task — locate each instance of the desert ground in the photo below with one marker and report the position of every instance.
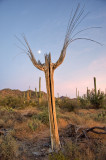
(25, 133)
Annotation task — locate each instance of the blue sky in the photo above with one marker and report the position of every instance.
(44, 23)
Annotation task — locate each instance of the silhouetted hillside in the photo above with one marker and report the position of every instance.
(17, 93)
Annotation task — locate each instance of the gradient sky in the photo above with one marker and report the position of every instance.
(44, 22)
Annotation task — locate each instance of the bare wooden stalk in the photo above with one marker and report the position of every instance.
(49, 72)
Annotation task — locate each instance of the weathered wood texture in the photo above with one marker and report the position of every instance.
(49, 72)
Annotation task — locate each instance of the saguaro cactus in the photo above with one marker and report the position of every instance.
(95, 86)
(76, 93)
(39, 87)
(28, 95)
(48, 67)
(99, 92)
(24, 94)
(87, 92)
(29, 92)
(35, 92)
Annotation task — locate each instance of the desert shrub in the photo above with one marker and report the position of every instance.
(80, 151)
(8, 148)
(84, 103)
(101, 116)
(72, 151)
(32, 103)
(68, 105)
(96, 100)
(42, 117)
(93, 101)
(12, 102)
(9, 116)
(34, 124)
(43, 104)
(57, 156)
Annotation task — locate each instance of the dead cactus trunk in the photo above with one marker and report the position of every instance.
(49, 72)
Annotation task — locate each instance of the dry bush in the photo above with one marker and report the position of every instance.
(34, 124)
(8, 148)
(68, 105)
(92, 150)
(57, 156)
(13, 102)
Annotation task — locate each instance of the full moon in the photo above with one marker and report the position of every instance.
(39, 51)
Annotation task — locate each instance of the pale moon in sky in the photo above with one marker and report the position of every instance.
(39, 51)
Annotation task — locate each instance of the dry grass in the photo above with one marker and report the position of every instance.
(9, 148)
(30, 124)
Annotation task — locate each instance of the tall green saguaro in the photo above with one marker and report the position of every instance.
(87, 92)
(28, 95)
(95, 86)
(39, 87)
(24, 94)
(35, 92)
(76, 93)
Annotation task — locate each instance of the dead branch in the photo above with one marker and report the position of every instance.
(92, 129)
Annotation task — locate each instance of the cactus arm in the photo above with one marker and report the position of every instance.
(35, 63)
(32, 58)
(61, 58)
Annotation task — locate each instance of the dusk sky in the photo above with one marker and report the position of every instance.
(44, 23)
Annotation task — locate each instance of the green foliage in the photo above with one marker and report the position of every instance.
(39, 87)
(96, 100)
(101, 116)
(34, 124)
(43, 105)
(93, 100)
(12, 102)
(38, 119)
(68, 105)
(31, 103)
(57, 156)
(84, 103)
(42, 117)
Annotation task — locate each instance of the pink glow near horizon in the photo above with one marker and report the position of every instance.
(96, 69)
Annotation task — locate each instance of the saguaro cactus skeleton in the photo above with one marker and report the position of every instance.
(48, 67)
